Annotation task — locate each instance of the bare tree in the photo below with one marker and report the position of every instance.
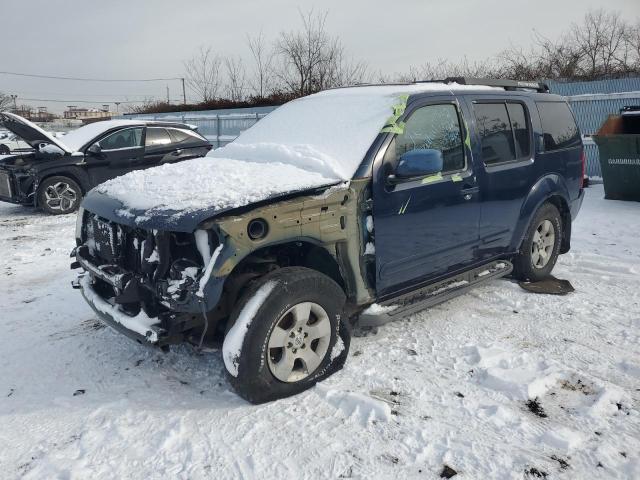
(261, 81)
(600, 38)
(6, 102)
(312, 60)
(203, 74)
(236, 78)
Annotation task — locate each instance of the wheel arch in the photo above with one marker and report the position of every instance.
(548, 189)
(303, 252)
(77, 175)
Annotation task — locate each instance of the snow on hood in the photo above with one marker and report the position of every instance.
(203, 186)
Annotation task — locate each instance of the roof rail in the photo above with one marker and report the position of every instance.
(507, 84)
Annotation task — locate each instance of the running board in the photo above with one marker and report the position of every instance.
(434, 293)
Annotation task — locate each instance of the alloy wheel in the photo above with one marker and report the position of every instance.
(60, 196)
(544, 239)
(299, 342)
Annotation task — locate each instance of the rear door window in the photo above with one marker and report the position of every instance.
(156, 136)
(504, 131)
(558, 126)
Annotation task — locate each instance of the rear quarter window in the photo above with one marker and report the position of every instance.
(181, 135)
(558, 126)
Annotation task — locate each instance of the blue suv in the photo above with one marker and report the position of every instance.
(349, 207)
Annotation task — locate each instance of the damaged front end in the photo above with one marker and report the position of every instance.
(146, 283)
(18, 180)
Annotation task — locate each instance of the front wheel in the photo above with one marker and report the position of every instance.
(288, 333)
(58, 195)
(4, 150)
(541, 245)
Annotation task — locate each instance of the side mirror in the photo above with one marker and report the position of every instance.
(420, 162)
(94, 149)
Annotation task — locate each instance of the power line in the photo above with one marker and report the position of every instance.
(80, 79)
(90, 101)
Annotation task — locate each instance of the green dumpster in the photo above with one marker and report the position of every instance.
(619, 144)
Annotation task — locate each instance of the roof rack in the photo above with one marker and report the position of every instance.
(507, 84)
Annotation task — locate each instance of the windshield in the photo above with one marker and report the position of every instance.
(327, 133)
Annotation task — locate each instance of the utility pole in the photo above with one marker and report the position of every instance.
(184, 92)
(168, 101)
(117, 106)
(15, 106)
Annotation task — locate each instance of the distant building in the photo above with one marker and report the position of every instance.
(87, 115)
(35, 115)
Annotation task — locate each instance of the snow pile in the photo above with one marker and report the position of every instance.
(232, 345)
(518, 375)
(361, 407)
(377, 309)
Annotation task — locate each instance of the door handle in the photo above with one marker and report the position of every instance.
(468, 192)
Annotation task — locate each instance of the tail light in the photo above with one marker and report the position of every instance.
(583, 161)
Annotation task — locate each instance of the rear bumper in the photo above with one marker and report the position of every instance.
(576, 205)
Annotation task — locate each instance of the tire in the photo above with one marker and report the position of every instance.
(59, 195)
(265, 335)
(4, 150)
(541, 245)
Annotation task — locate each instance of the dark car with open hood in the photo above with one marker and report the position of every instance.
(347, 208)
(57, 172)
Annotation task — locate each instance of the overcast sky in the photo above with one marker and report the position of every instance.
(151, 38)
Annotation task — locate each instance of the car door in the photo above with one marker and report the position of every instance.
(158, 147)
(504, 141)
(115, 154)
(425, 227)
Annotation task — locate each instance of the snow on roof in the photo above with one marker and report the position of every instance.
(77, 139)
(328, 132)
(310, 142)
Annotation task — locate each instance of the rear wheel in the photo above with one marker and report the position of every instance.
(287, 334)
(58, 195)
(541, 245)
(4, 150)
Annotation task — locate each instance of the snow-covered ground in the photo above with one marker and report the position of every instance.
(498, 383)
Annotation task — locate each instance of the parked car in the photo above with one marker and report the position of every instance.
(349, 207)
(13, 144)
(57, 171)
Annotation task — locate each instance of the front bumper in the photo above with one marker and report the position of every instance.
(167, 328)
(17, 187)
